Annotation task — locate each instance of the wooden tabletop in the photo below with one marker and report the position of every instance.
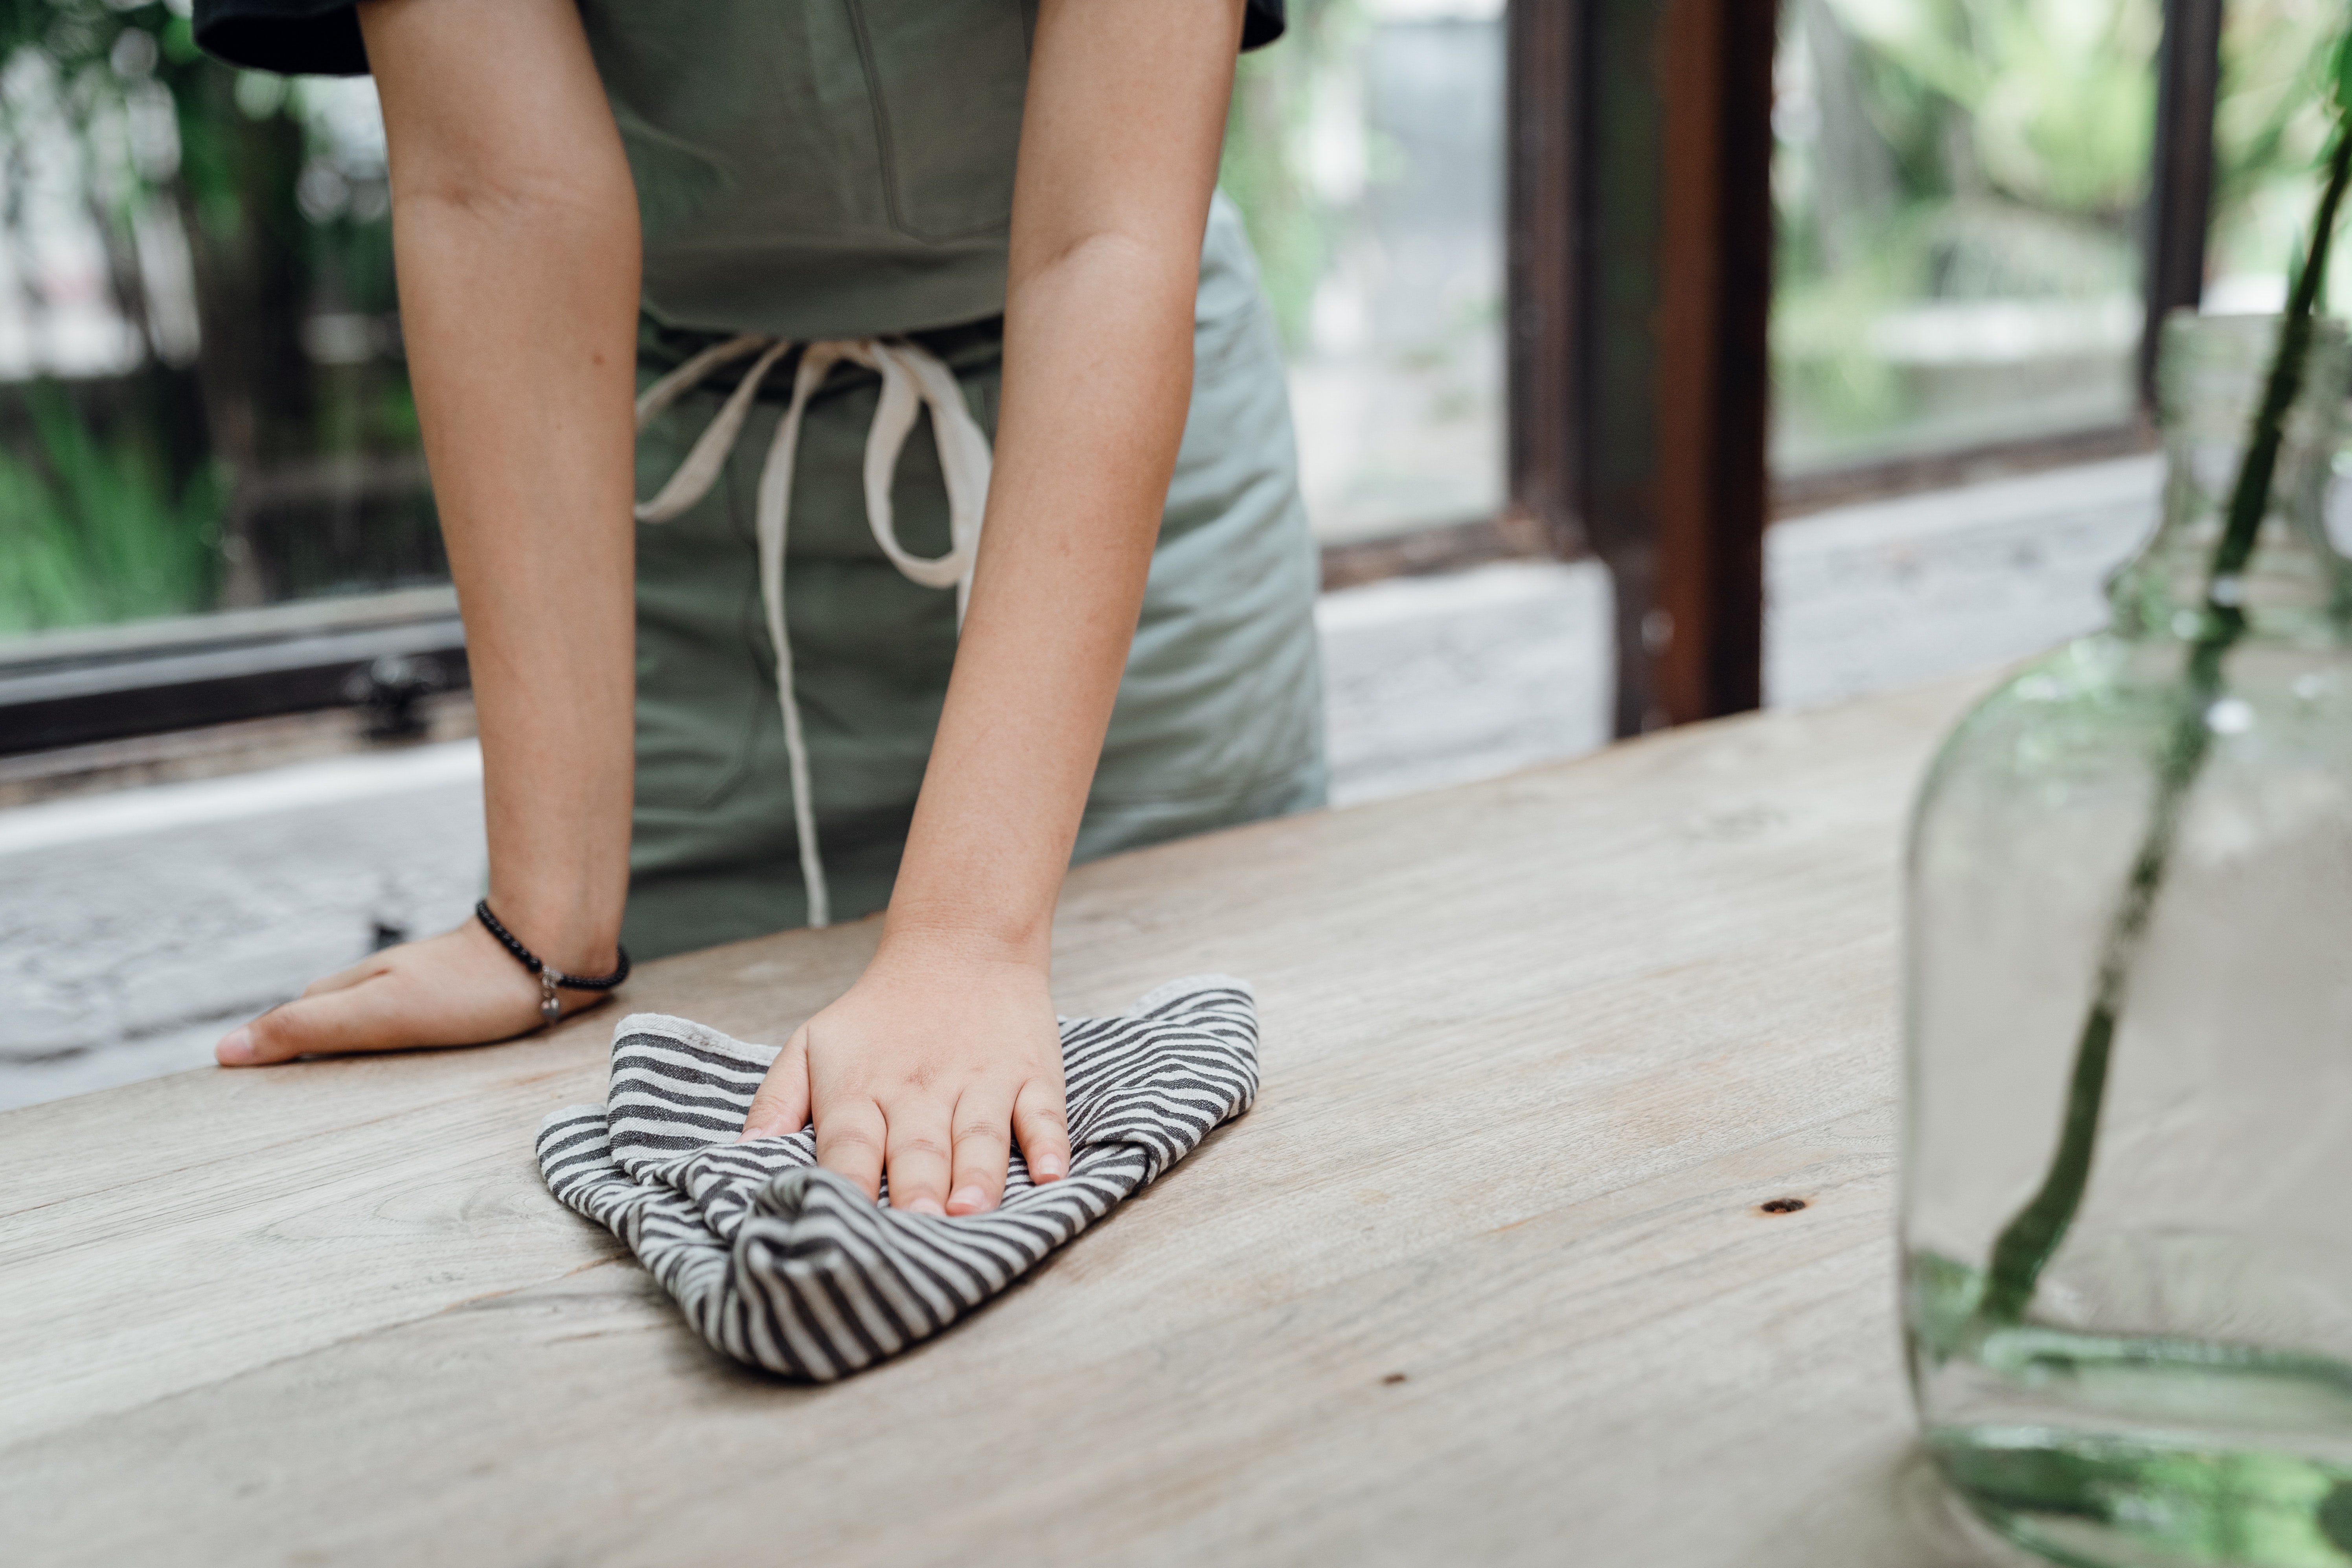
(1483, 1277)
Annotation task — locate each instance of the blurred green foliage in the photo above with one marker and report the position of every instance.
(95, 525)
(1946, 153)
(136, 500)
(1938, 153)
(2270, 132)
(1264, 167)
(94, 529)
(2047, 103)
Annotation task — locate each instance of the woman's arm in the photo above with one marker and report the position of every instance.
(949, 1039)
(515, 231)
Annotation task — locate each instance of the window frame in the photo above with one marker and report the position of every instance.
(78, 687)
(1598, 87)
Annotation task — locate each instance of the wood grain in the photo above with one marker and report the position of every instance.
(1482, 1278)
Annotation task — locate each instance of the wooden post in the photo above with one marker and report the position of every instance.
(1545, 263)
(2189, 78)
(1661, 383)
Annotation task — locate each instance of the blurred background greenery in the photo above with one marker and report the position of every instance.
(202, 403)
(1962, 189)
(1959, 185)
(1366, 152)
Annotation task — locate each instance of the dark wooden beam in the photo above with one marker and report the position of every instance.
(1545, 206)
(1817, 489)
(1671, 327)
(1515, 535)
(2188, 82)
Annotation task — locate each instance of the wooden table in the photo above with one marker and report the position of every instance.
(1483, 1277)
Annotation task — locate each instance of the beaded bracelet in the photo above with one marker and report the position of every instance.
(551, 979)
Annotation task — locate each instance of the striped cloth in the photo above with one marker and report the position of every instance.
(793, 1269)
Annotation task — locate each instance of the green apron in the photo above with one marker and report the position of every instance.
(844, 171)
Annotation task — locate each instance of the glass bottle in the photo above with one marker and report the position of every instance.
(2174, 1384)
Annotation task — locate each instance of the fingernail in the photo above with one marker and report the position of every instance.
(750, 1132)
(1048, 1168)
(924, 1206)
(236, 1049)
(967, 1200)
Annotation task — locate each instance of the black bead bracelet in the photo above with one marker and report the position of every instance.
(551, 979)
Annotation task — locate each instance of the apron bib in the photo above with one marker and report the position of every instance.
(826, 190)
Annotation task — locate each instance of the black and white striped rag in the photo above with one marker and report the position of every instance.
(793, 1268)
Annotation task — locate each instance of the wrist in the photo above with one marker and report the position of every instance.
(578, 934)
(964, 937)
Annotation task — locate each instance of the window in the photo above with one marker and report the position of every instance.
(1961, 187)
(207, 436)
(205, 406)
(1366, 152)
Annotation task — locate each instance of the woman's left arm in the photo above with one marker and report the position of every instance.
(947, 1042)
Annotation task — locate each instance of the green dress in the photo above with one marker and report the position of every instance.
(842, 170)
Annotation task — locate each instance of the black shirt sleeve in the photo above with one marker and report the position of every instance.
(296, 37)
(1261, 22)
(321, 38)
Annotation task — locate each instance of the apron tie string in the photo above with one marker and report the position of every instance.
(912, 378)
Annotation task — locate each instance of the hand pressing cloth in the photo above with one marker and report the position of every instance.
(796, 1269)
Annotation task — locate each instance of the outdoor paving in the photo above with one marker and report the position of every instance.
(136, 926)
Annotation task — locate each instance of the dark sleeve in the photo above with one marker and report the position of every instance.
(1261, 22)
(321, 38)
(299, 37)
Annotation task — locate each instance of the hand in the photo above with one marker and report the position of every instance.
(460, 988)
(925, 1064)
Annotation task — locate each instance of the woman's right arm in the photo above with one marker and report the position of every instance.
(515, 234)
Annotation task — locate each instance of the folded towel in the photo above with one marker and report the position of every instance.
(794, 1268)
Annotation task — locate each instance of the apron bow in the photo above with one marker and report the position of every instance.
(912, 378)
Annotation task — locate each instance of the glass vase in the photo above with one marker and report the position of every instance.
(2128, 1246)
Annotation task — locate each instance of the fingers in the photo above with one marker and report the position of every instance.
(917, 1138)
(239, 1048)
(849, 1142)
(781, 1106)
(454, 989)
(1040, 1121)
(332, 1022)
(929, 1114)
(983, 1144)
